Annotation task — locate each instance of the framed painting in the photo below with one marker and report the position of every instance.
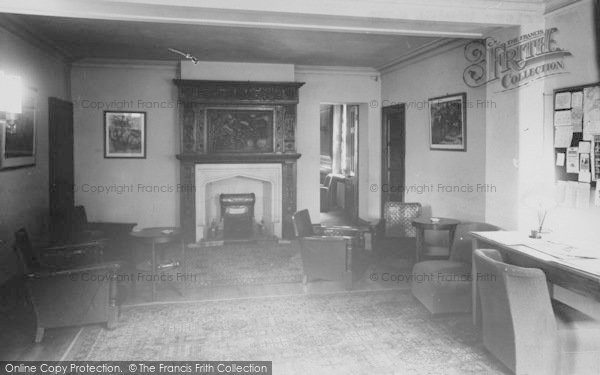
(448, 123)
(124, 135)
(240, 130)
(18, 134)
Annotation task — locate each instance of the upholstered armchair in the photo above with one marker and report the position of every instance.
(395, 231)
(327, 251)
(444, 286)
(66, 284)
(523, 330)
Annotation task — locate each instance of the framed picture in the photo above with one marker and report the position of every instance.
(124, 135)
(18, 134)
(448, 122)
(240, 130)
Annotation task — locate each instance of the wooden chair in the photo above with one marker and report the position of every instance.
(66, 285)
(523, 329)
(327, 251)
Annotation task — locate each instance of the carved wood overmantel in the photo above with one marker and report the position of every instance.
(231, 122)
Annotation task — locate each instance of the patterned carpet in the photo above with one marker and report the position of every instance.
(242, 264)
(376, 332)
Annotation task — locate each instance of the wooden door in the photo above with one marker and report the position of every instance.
(351, 171)
(393, 134)
(60, 133)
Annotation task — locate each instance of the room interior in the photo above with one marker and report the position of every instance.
(231, 97)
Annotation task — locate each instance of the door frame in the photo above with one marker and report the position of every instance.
(385, 114)
(54, 190)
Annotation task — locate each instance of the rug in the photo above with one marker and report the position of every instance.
(261, 263)
(375, 332)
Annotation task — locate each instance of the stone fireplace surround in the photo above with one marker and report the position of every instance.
(230, 179)
(200, 167)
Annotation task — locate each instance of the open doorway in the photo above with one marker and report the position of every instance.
(338, 172)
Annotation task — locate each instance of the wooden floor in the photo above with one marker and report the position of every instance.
(17, 321)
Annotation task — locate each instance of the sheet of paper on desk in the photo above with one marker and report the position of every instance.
(505, 237)
(587, 265)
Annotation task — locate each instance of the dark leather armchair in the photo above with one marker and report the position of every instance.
(395, 231)
(327, 252)
(66, 285)
(444, 286)
(115, 235)
(523, 329)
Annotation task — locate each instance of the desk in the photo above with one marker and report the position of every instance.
(156, 236)
(579, 275)
(422, 224)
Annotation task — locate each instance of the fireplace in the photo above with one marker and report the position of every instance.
(264, 180)
(237, 138)
(237, 214)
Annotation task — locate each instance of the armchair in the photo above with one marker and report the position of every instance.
(520, 327)
(449, 290)
(327, 252)
(65, 287)
(395, 230)
(114, 234)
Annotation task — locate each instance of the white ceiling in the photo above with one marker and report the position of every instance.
(353, 33)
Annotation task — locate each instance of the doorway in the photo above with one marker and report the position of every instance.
(338, 173)
(60, 134)
(393, 151)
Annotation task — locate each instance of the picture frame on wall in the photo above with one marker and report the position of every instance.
(448, 122)
(18, 134)
(124, 135)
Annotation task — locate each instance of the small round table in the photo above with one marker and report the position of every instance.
(158, 236)
(423, 224)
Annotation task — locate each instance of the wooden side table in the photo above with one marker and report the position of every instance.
(159, 236)
(422, 224)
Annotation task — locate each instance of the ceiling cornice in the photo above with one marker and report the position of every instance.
(426, 51)
(336, 70)
(127, 63)
(22, 30)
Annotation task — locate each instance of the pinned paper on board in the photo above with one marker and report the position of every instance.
(585, 147)
(562, 100)
(577, 99)
(591, 106)
(562, 118)
(560, 159)
(577, 119)
(572, 160)
(584, 168)
(584, 176)
(563, 135)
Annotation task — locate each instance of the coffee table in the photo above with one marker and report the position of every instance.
(159, 236)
